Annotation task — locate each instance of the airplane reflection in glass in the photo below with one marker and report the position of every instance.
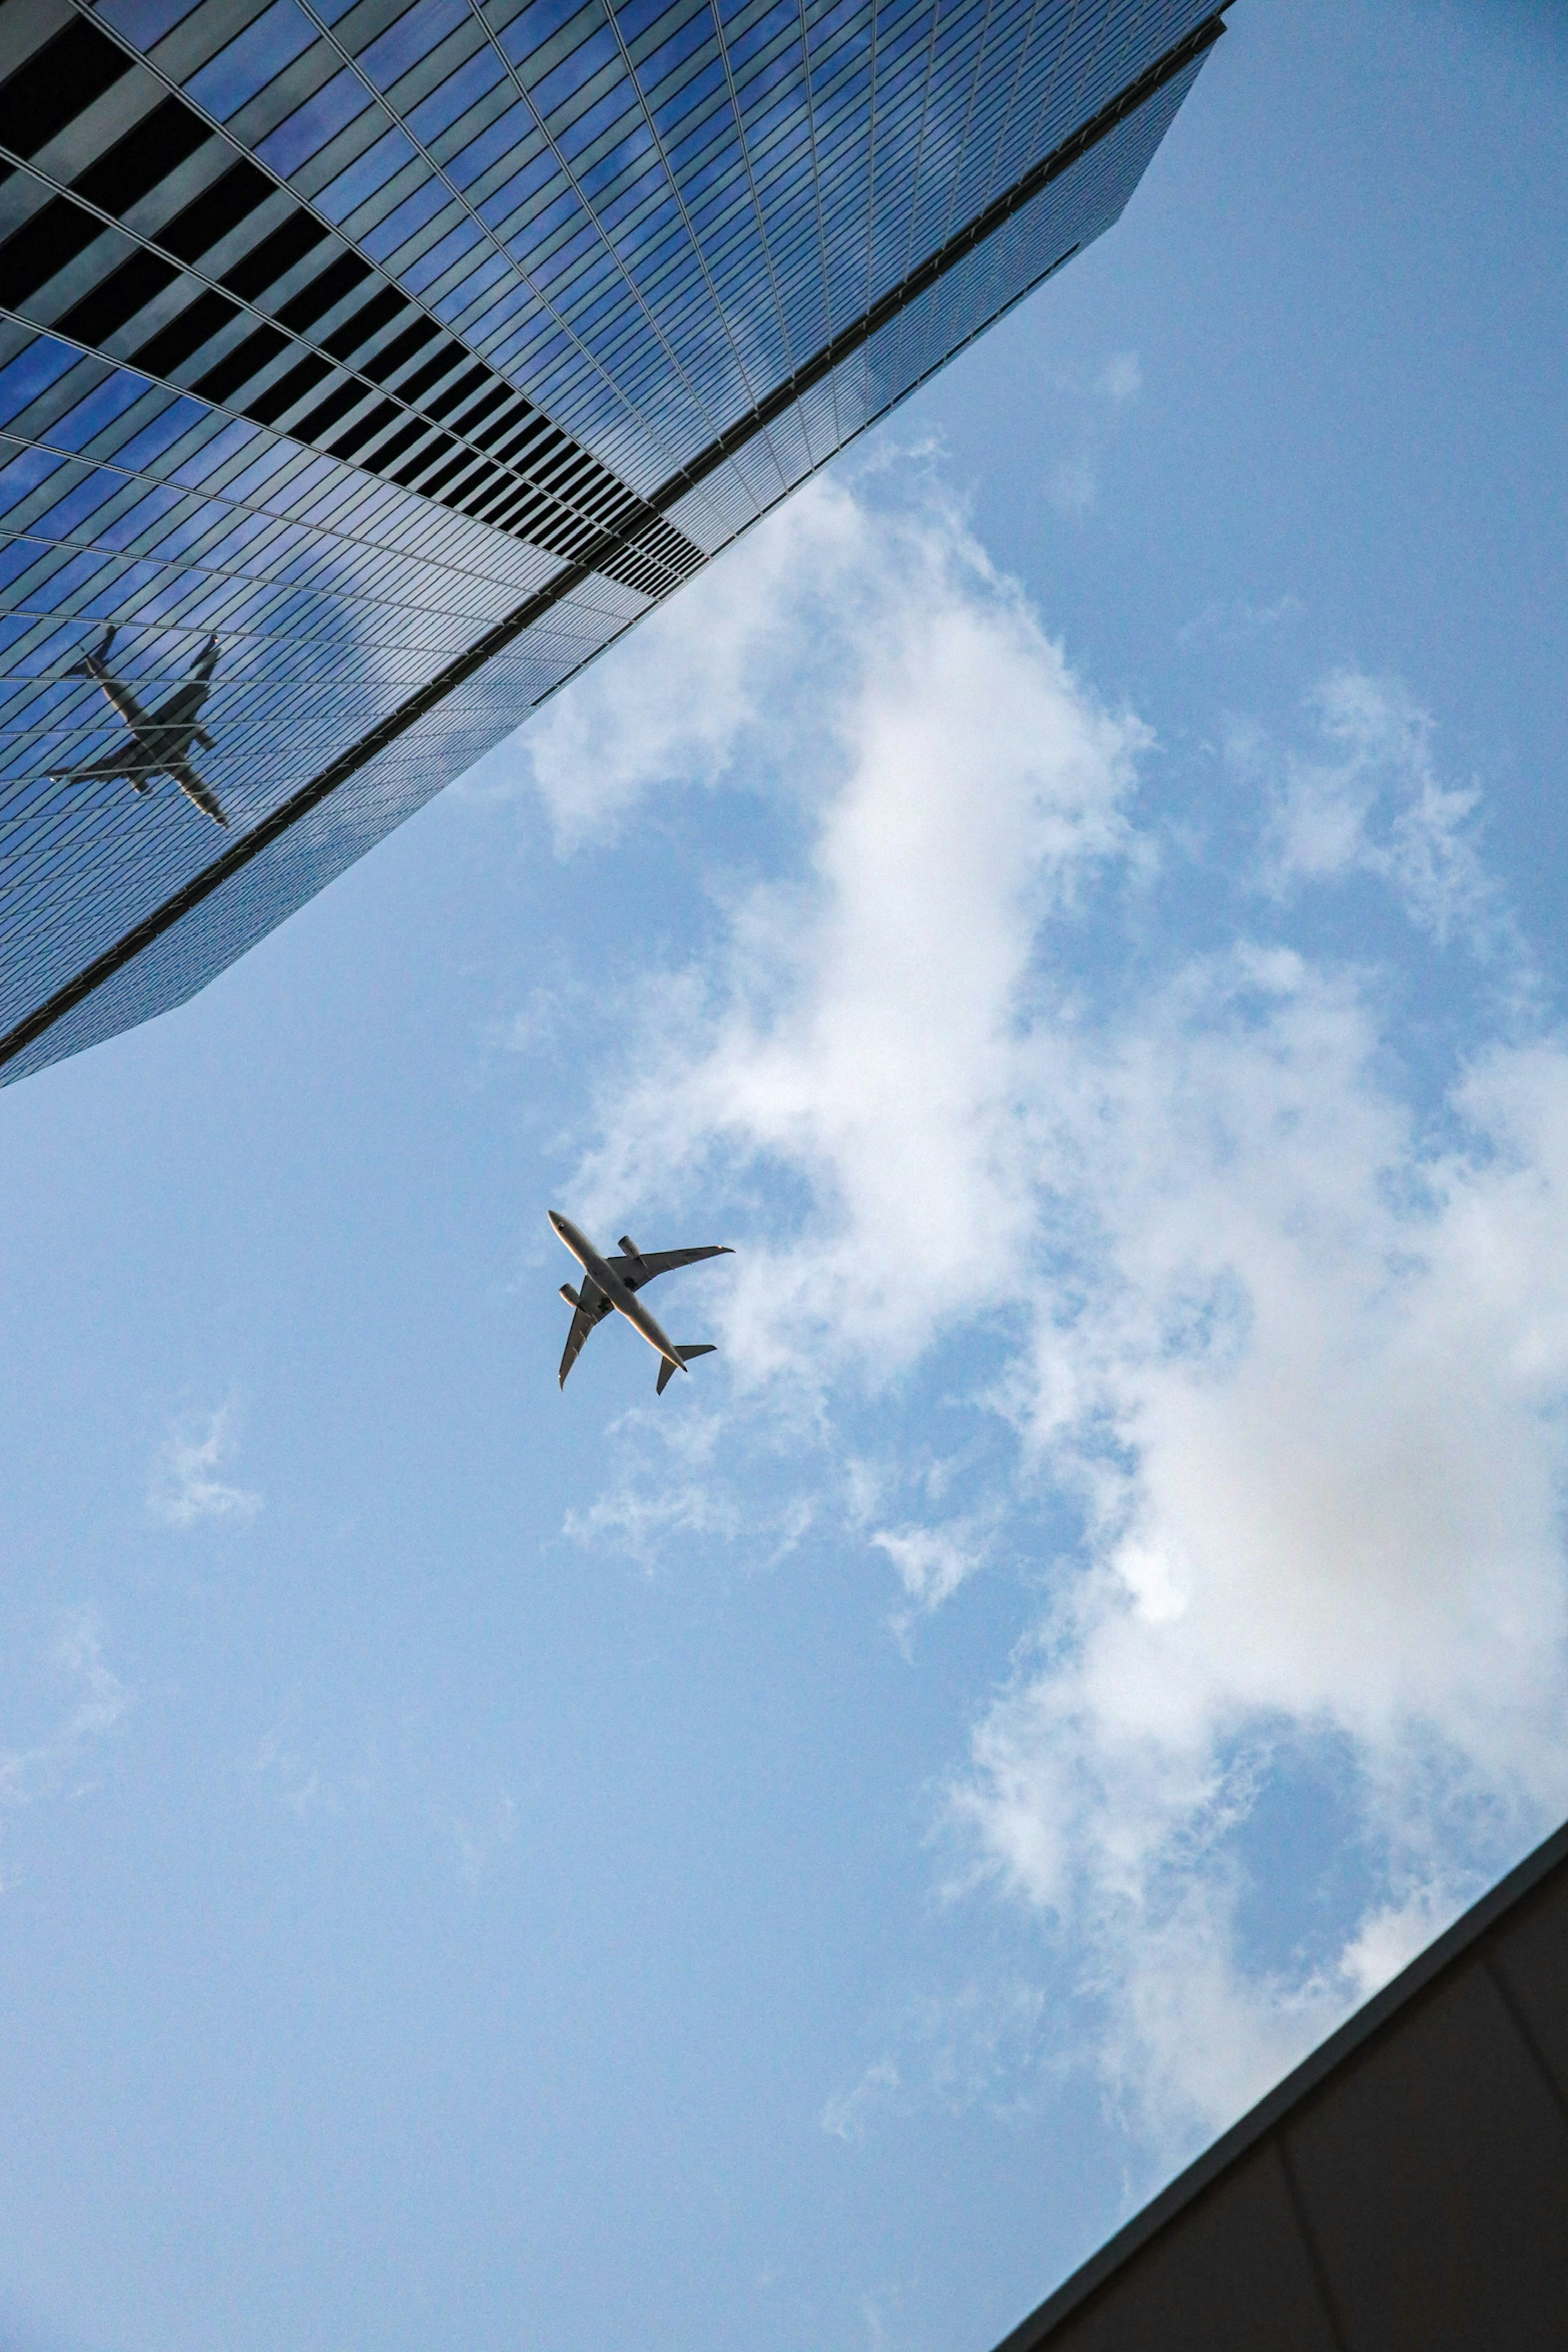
(159, 743)
(613, 1283)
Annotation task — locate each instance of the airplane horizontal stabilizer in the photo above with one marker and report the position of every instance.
(666, 1370)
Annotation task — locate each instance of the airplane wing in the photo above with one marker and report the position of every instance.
(187, 699)
(635, 1271)
(594, 1308)
(190, 784)
(181, 706)
(127, 759)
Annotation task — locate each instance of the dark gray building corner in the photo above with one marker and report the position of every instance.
(1405, 2190)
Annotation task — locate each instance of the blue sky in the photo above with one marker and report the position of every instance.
(1075, 901)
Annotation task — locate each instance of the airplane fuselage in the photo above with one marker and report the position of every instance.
(625, 1302)
(163, 737)
(161, 741)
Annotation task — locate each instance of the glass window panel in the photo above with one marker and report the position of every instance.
(59, 521)
(509, 206)
(234, 437)
(111, 400)
(250, 61)
(633, 154)
(43, 363)
(601, 48)
(414, 35)
(441, 256)
(374, 168)
(462, 297)
(780, 23)
(617, 105)
(311, 125)
(653, 68)
(417, 208)
(534, 26)
(456, 94)
(16, 559)
(502, 136)
(76, 578)
(144, 21)
(24, 473)
(140, 517)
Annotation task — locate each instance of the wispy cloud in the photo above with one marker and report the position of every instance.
(1370, 801)
(984, 2046)
(1073, 486)
(61, 1760)
(381, 1769)
(931, 1562)
(1280, 1337)
(1093, 403)
(1121, 378)
(479, 1836)
(1233, 622)
(184, 1487)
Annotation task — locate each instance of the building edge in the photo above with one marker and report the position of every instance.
(1375, 2019)
(1186, 54)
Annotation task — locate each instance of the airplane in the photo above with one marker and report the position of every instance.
(159, 743)
(613, 1283)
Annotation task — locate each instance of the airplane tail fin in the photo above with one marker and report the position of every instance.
(666, 1370)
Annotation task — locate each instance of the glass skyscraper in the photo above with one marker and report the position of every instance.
(367, 366)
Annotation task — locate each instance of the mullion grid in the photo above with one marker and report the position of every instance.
(927, 330)
(377, 100)
(651, 205)
(1088, 200)
(924, 339)
(655, 433)
(22, 593)
(817, 196)
(190, 271)
(512, 574)
(972, 192)
(312, 631)
(392, 786)
(938, 140)
(996, 67)
(702, 240)
(301, 493)
(458, 197)
(657, 321)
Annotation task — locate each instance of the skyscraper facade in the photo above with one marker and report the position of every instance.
(367, 366)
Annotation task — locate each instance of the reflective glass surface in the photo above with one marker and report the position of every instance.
(368, 369)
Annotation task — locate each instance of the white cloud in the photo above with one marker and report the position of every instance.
(184, 1487)
(846, 2113)
(1295, 1353)
(1121, 378)
(623, 730)
(860, 1033)
(1372, 801)
(1233, 622)
(1309, 1383)
(479, 1837)
(1073, 486)
(59, 1762)
(985, 2046)
(931, 1562)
